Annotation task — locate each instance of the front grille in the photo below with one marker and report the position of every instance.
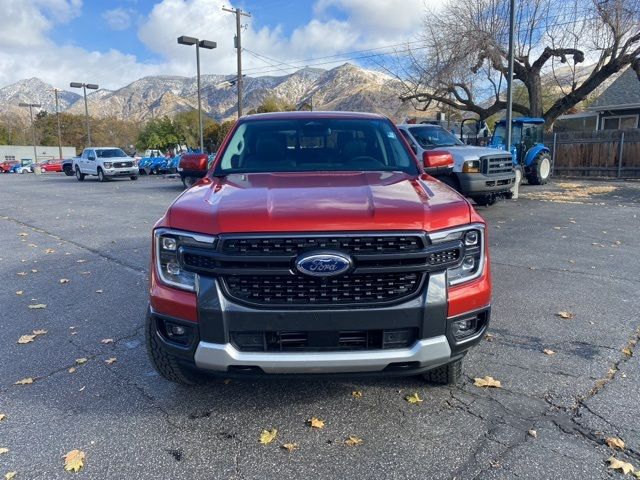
(295, 245)
(496, 165)
(123, 164)
(288, 341)
(381, 287)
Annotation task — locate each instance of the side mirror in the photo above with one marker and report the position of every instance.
(437, 162)
(91, 157)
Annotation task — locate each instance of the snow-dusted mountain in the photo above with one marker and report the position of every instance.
(346, 87)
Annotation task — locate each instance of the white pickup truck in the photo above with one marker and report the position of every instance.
(105, 163)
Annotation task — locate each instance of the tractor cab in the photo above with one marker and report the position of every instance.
(528, 153)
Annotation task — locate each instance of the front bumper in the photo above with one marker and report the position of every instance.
(210, 346)
(474, 184)
(121, 172)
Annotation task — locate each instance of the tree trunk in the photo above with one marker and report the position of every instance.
(534, 87)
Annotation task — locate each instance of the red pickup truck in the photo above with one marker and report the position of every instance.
(317, 244)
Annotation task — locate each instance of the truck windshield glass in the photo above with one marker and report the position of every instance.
(308, 145)
(429, 136)
(110, 153)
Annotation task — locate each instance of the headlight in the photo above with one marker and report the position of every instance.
(108, 164)
(167, 244)
(473, 258)
(471, 166)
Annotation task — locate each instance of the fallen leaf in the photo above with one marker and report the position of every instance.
(22, 274)
(72, 370)
(556, 228)
(227, 381)
(19, 292)
(533, 433)
(356, 394)
(80, 361)
(111, 360)
(49, 250)
(352, 441)
(23, 234)
(3, 450)
(33, 245)
(39, 332)
(315, 422)
(614, 442)
(572, 221)
(10, 475)
(80, 261)
(627, 351)
(489, 337)
(268, 436)
(99, 290)
(64, 280)
(487, 382)
(34, 270)
(24, 381)
(566, 315)
(289, 447)
(85, 273)
(548, 352)
(26, 339)
(106, 340)
(74, 461)
(38, 306)
(413, 398)
(616, 464)
(2, 416)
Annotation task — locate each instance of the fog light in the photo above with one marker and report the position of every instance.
(471, 238)
(177, 330)
(468, 263)
(169, 243)
(463, 328)
(173, 268)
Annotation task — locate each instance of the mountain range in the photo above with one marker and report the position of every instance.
(346, 87)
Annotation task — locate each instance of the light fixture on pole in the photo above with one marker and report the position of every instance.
(184, 40)
(512, 13)
(84, 86)
(33, 132)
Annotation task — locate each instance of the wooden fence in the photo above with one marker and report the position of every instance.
(603, 153)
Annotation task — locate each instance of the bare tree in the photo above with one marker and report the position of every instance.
(574, 45)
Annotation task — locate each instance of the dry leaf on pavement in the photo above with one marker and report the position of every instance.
(352, 441)
(548, 352)
(614, 442)
(356, 394)
(315, 422)
(111, 360)
(2, 416)
(23, 234)
(64, 280)
(26, 339)
(19, 292)
(533, 433)
(99, 290)
(80, 361)
(268, 436)
(80, 261)
(34, 270)
(74, 461)
(49, 250)
(38, 306)
(72, 370)
(289, 447)
(39, 332)
(413, 398)
(616, 464)
(106, 340)
(3, 450)
(487, 382)
(565, 315)
(627, 352)
(10, 475)
(24, 381)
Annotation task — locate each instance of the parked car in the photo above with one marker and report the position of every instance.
(105, 163)
(67, 167)
(20, 168)
(194, 166)
(159, 165)
(479, 173)
(5, 166)
(317, 244)
(54, 165)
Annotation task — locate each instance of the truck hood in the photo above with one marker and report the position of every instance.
(307, 202)
(463, 153)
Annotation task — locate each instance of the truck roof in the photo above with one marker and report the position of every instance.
(306, 114)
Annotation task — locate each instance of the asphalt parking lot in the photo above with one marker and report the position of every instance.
(570, 246)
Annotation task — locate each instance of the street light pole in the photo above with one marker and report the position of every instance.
(512, 8)
(58, 120)
(33, 133)
(184, 40)
(84, 86)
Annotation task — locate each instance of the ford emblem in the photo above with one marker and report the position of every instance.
(323, 264)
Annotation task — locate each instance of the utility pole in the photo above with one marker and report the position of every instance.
(238, 44)
(55, 90)
(512, 8)
(31, 106)
(84, 86)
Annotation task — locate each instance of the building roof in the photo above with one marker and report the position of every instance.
(623, 93)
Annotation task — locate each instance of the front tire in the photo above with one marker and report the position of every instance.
(79, 175)
(540, 169)
(188, 181)
(133, 177)
(485, 200)
(101, 175)
(167, 365)
(68, 171)
(448, 374)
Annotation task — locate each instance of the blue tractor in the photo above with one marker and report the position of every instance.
(531, 158)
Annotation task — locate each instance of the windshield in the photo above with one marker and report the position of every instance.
(429, 136)
(308, 145)
(110, 153)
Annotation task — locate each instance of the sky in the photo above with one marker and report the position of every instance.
(114, 42)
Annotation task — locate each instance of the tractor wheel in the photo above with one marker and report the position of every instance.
(540, 169)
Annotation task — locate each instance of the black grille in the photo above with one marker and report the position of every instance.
(296, 245)
(123, 164)
(301, 290)
(286, 341)
(496, 165)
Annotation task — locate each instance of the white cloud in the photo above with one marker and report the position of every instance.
(118, 18)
